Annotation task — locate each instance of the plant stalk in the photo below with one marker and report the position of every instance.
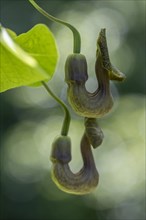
(76, 35)
(67, 118)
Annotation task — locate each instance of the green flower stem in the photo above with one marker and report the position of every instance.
(76, 35)
(67, 118)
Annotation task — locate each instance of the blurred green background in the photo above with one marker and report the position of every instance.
(30, 119)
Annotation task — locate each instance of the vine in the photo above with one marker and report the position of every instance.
(90, 106)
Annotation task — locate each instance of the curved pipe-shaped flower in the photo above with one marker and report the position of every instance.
(80, 183)
(100, 102)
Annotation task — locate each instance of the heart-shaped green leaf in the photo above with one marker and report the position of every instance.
(28, 58)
